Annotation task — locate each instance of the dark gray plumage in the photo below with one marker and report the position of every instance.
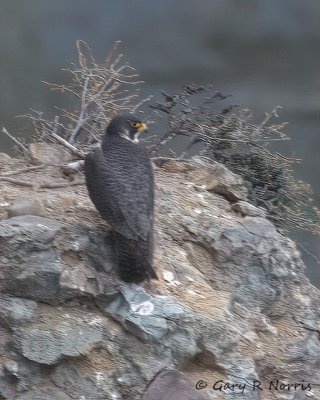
(119, 179)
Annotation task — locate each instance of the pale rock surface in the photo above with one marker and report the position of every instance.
(232, 303)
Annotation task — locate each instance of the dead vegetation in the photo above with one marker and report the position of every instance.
(201, 115)
(228, 135)
(100, 92)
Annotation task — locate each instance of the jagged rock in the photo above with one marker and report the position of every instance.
(216, 177)
(41, 254)
(4, 159)
(150, 318)
(17, 311)
(173, 385)
(44, 153)
(25, 207)
(24, 372)
(30, 267)
(45, 394)
(234, 304)
(248, 209)
(47, 344)
(224, 182)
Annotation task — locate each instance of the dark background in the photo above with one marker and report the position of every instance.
(263, 52)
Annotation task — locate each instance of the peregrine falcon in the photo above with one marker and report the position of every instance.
(119, 179)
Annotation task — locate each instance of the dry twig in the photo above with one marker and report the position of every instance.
(101, 92)
(19, 144)
(230, 137)
(44, 185)
(23, 170)
(69, 146)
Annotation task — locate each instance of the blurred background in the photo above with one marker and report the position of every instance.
(262, 52)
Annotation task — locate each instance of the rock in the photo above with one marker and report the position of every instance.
(49, 154)
(22, 371)
(47, 344)
(232, 305)
(247, 209)
(145, 316)
(44, 394)
(173, 385)
(28, 260)
(4, 159)
(25, 207)
(41, 253)
(17, 311)
(214, 177)
(224, 182)
(7, 163)
(73, 167)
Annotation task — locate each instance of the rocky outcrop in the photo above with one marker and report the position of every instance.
(232, 312)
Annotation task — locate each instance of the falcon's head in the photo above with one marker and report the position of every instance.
(127, 126)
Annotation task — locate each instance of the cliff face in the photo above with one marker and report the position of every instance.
(232, 311)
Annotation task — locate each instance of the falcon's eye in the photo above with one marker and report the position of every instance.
(135, 124)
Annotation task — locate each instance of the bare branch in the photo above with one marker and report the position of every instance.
(23, 170)
(44, 185)
(22, 147)
(81, 119)
(69, 146)
(102, 92)
(229, 136)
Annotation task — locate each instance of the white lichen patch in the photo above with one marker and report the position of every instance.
(168, 276)
(145, 308)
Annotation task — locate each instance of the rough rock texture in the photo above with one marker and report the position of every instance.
(172, 385)
(23, 207)
(232, 307)
(42, 153)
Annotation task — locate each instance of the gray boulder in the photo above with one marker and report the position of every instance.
(231, 315)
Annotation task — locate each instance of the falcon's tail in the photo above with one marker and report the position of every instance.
(134, 259)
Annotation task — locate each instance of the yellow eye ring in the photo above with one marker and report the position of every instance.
(135, 124)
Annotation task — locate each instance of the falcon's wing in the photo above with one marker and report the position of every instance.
(122, 192)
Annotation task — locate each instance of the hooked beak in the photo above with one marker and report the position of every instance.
(142, 128)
